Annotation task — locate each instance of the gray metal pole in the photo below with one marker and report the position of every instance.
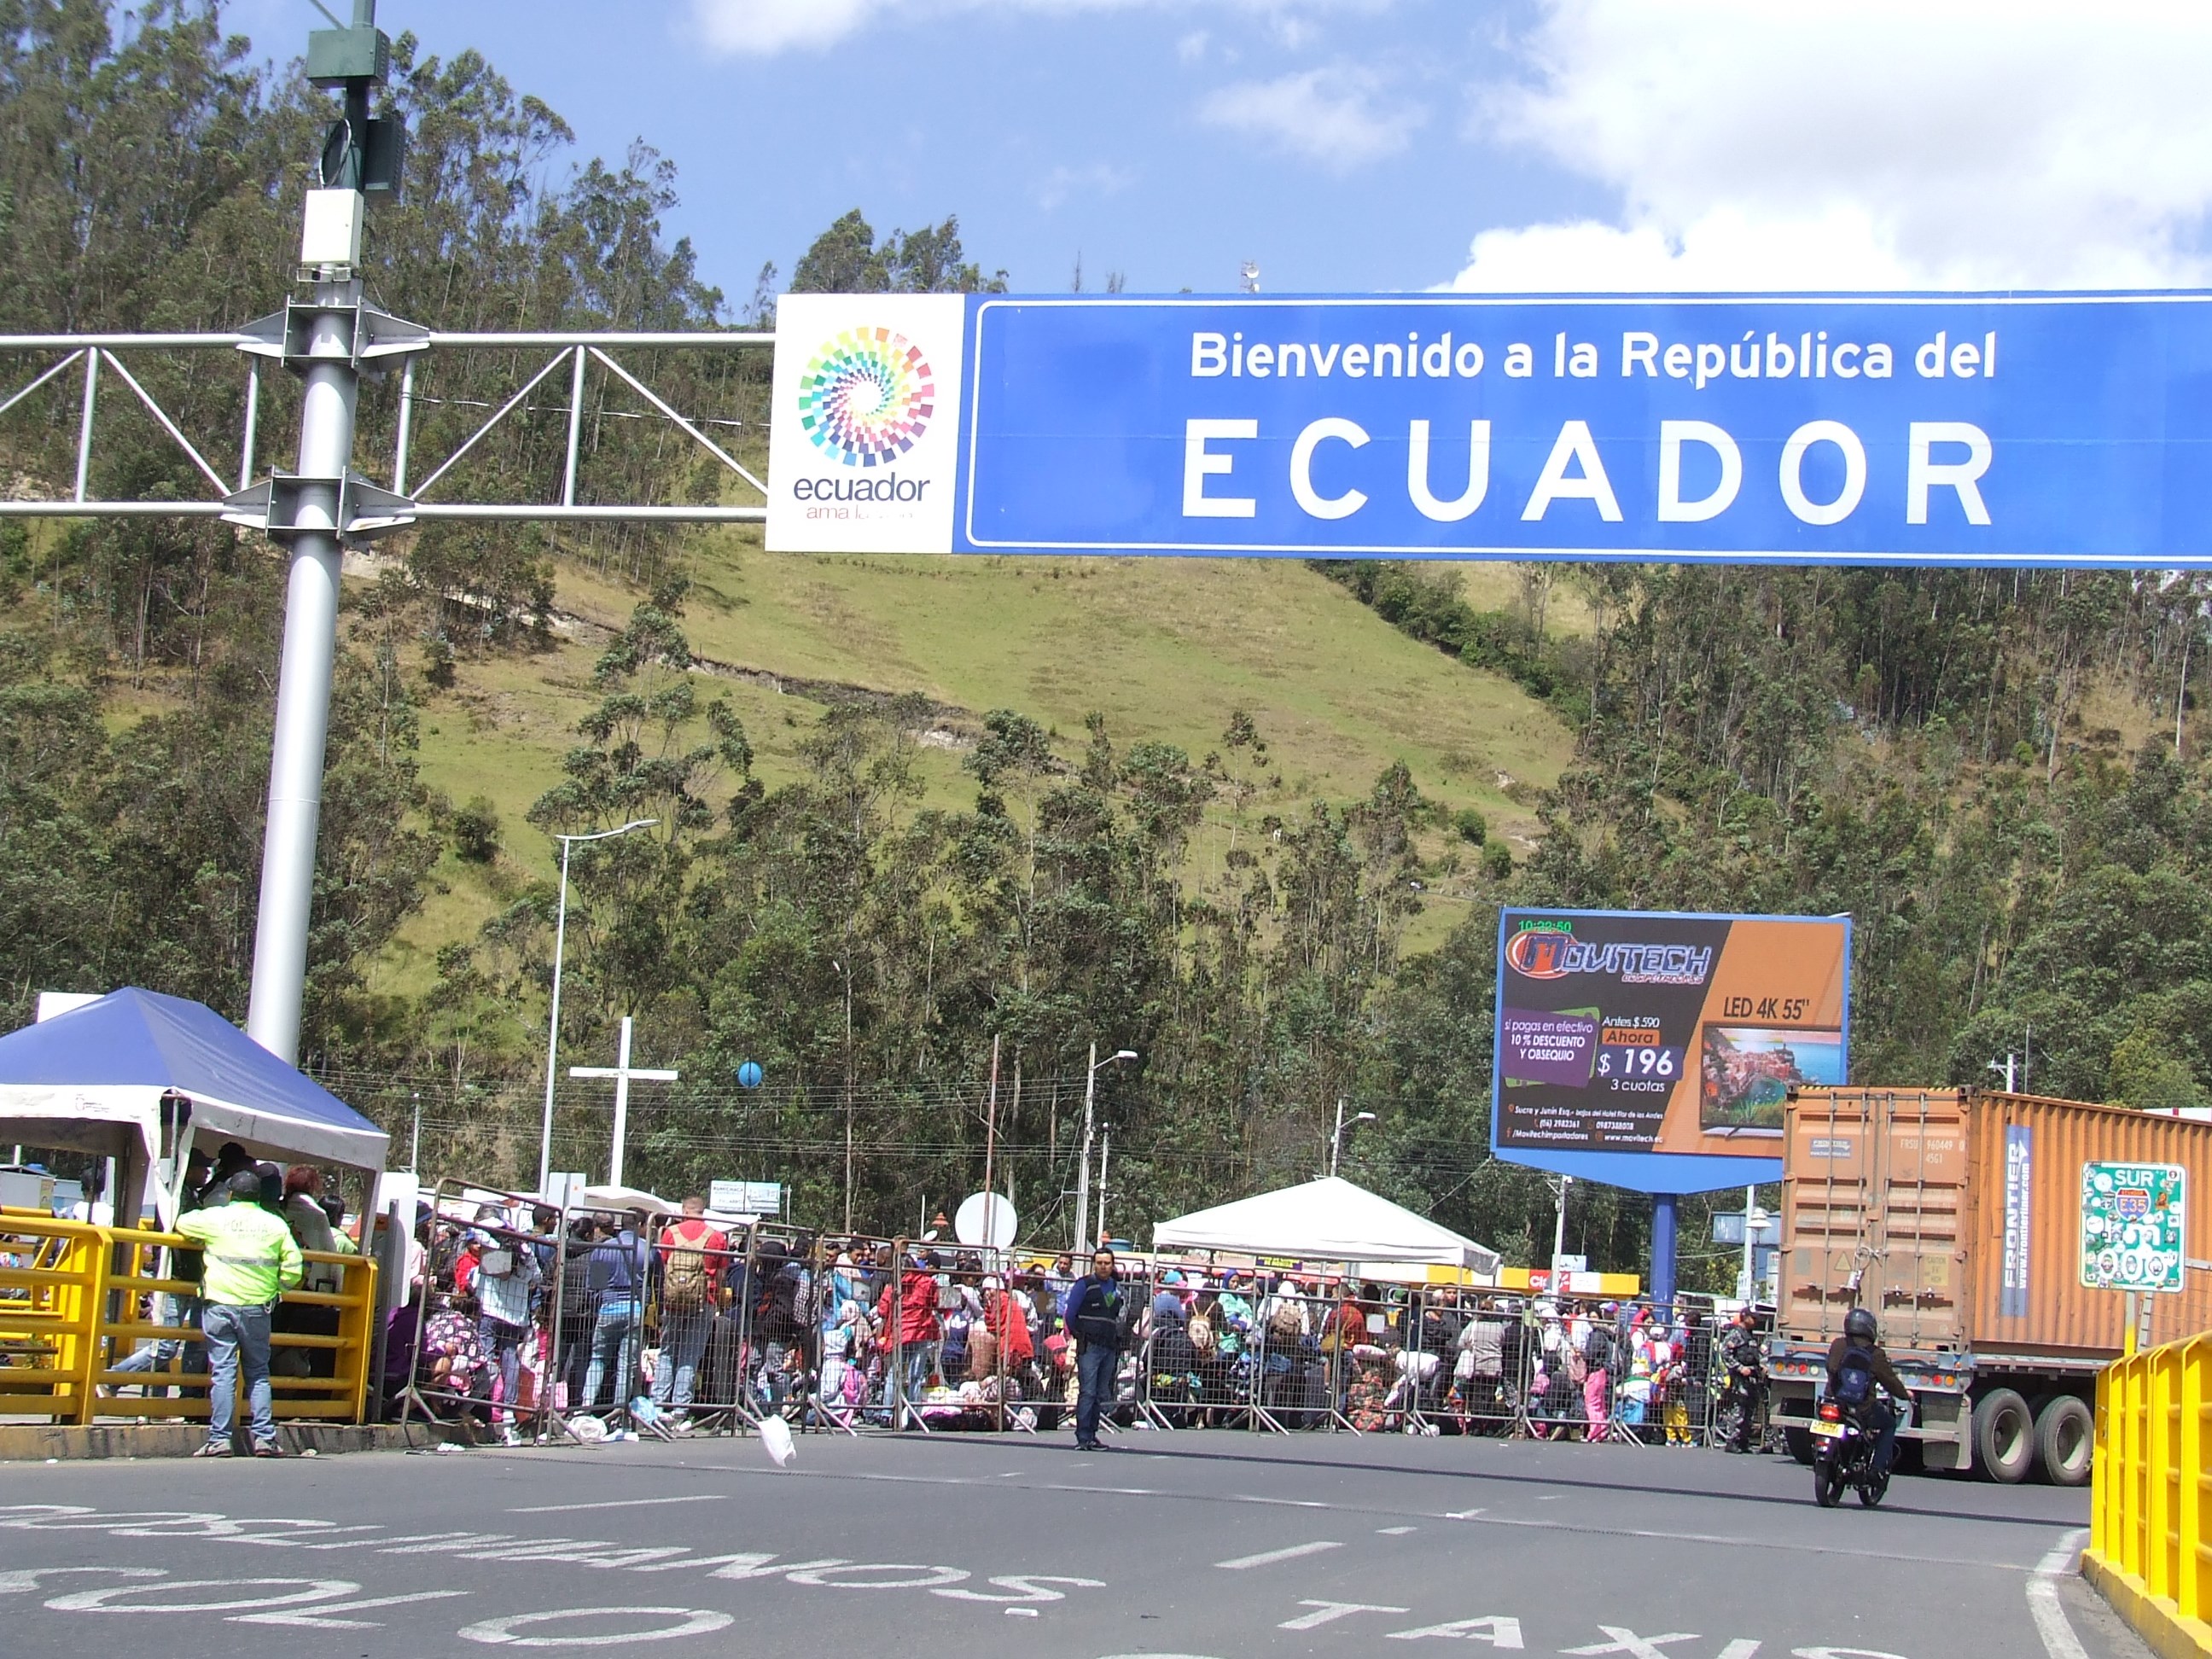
(553, 1028)
(1083, 1173)
(303, 686)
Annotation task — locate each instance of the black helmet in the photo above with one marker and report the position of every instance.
(1860, 1325)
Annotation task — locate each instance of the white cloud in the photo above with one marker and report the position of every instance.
(764, 27)
(1864, 144)
(1335, 116)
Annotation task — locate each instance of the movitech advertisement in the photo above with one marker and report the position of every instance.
(1654, 1050)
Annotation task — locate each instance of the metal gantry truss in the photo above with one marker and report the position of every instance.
(371, 509)
(329, 336)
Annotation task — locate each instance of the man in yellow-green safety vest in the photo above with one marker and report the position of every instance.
(250, 1260)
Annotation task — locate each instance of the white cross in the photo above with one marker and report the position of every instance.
(622, 1072)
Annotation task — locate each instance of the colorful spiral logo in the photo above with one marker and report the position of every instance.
(866, 397)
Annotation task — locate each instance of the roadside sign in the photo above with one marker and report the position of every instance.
(1655, 1050)
(745, 1197)
(2134, 1222)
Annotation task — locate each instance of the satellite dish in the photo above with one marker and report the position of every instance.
(985, 1219)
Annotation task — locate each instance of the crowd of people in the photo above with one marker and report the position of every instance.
(618, 1322)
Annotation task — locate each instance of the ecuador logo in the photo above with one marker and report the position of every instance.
(866, 397)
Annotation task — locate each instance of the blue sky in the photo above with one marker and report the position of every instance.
(1367, 144)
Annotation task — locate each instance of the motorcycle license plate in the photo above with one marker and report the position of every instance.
(1827, 1430)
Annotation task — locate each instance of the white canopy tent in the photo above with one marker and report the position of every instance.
(1327, 1220)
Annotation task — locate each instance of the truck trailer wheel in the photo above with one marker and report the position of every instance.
(1800, 1442)
(2065, 1440)
(2004, 1436)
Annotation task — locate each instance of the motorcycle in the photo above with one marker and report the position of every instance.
(1843, 1454)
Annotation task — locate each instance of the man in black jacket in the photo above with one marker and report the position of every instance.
(1097, 1315)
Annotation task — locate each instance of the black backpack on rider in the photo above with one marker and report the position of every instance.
(1854, 1382)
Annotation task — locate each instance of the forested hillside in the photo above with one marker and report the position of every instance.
(1270, 862)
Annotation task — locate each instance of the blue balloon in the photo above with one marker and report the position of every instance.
(749, 1075)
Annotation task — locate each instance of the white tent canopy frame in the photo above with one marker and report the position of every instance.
(1329, 1219)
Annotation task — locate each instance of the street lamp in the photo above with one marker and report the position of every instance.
(553, 1019)
(845, 974)
(1336, 1140)
(1082, 1176)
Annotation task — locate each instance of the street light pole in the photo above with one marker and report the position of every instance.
(1083, 1171)
(845, 974)
(1336, 1139)
(553, 1016)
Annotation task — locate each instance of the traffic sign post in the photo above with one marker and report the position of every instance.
(2134, 1236)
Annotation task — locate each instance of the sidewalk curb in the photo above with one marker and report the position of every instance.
(40, 1442)
(2156, 1619)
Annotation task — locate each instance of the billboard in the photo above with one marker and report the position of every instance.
(1956, 429)
(1654, 1050)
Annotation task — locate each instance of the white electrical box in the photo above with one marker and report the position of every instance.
(331, 233)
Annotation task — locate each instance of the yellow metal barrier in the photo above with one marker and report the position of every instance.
(69, 1297)
(2150, 1537)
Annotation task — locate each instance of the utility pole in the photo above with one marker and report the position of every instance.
(991, 1142)
(1105, 1157)
(845, 974)
(1083, 1172)
(1559, 1229)
(324, 340)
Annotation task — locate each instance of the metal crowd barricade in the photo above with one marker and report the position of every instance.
(69, 1316)
(456, 1360)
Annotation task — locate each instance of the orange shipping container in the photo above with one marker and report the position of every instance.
(1963, 1209)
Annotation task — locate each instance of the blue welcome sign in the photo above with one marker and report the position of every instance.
(2047, 428)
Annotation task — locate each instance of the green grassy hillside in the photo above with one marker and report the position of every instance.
(1165, 648)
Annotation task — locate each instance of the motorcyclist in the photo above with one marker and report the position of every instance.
(1858, 1350)
(1744, 1368)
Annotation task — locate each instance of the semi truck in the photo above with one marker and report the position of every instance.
(2003, 1241)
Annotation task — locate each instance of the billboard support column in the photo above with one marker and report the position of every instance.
(1663, 1247)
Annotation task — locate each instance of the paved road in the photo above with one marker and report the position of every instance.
(1219, 1544)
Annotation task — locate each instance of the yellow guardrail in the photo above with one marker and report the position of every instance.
(69, 1314)
(2150, 1535)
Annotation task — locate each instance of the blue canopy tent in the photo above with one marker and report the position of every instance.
(141, 1077)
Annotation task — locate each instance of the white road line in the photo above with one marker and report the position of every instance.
(2043, 1605)
(1268, 1557)
(624, 1504)
(1396, 1532)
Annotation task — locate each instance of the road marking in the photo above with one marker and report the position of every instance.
(322, 1616)
(1280, 1502)
(1330, 1611)
(1462, 1515)
(2043, 1605)
(111, 1599)
(1627, 1642)
(1493, 1628)
(693, 1621)
(624, 1504)
(1268, 1557)
(1396, 1532)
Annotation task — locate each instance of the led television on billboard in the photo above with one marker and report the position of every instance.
(1655, 1051)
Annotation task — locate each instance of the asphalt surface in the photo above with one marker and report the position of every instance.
(1197, 1544)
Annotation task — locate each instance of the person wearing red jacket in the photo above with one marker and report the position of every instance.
(909, 1307)
(1006, 1318)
